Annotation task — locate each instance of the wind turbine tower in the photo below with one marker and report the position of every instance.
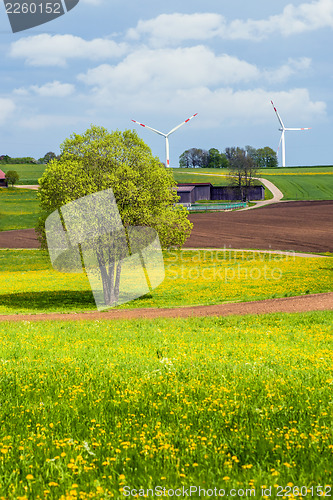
(167, 150)
(284, 129)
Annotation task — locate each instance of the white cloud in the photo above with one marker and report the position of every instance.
(55, 50)
(182, 69)
(176, 28)
(222, 88)
(7, 107)
(171, 68)
(51, 89)
(293, 20)
(284, 72)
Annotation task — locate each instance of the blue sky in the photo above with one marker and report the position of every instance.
(109, 61)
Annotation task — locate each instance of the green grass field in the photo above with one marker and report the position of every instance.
(304, 186)
(18, 208)
(28, 284)
(98, 409)
(29, 173)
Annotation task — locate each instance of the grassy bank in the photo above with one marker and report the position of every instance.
(18, 209)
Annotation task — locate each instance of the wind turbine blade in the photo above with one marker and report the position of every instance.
(298, 128)
(278, 116)
(150, 128)
(181, 124)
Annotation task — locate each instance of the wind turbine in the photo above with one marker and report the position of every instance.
(167, 155)
(282, 139)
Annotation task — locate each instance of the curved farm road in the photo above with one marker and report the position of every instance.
(277, 195)
(303, 303)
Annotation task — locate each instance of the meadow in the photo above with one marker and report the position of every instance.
(28, 283)
(99, 409)
(19, 209)
(29, 173)
(303, 186)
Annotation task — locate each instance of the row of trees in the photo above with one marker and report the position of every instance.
(7, 160)
(201, 158)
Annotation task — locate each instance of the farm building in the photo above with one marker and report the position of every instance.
(191, 192)
(3, 181)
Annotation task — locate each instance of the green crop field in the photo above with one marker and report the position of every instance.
(18, 208)
(304, 186)
(28, 284)
(29, 173)
(110, 409)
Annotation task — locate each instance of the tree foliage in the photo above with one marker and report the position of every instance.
(194, 158)
(201, 158)
(266, 158)
(49, 157)
(217, 159)
(7, 160)
(144, 189)
(12, 177)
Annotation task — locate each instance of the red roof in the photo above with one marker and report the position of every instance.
(2, 174)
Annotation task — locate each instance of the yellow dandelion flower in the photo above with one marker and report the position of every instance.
(29, 477)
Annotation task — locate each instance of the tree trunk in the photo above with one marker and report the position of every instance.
(107, 268)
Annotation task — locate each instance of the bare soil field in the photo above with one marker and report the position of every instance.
(299, 226)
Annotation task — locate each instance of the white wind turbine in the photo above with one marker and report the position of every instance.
(167, 155)
(282, 139)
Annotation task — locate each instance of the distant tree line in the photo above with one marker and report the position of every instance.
(201, 158)
(7, 160)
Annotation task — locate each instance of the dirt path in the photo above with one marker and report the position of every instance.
(304, 303)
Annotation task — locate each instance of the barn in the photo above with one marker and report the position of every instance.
(3, 181)
(192, 192)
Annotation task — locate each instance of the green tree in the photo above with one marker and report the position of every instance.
(266, 158)
(12, 177)
(49, 156)
(184, 160)
(194, 158)
(217, 159)
(144, 190)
